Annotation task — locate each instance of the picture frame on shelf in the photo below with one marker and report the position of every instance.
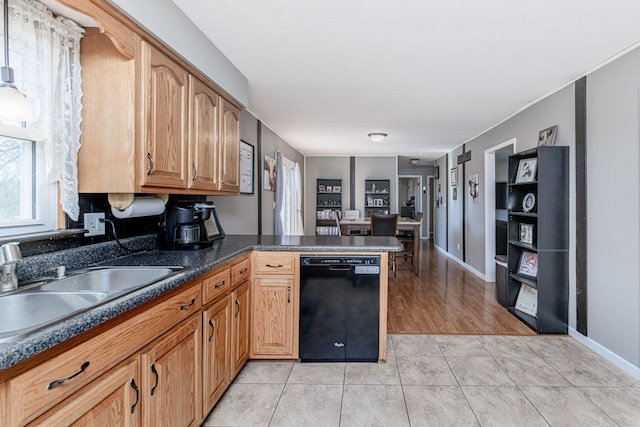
(329, 189)
(526, 233)
(321, 188)
(528, 264)
(528, 202)
(369, 201)
(526, 170)
(337, 189)
(547, 137)
(527, 301)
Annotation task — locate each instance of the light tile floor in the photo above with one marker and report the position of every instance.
(437, 380)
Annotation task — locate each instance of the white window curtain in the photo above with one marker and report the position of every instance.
(45, 54)
(288, 214)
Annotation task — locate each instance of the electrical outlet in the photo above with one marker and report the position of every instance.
(92, 223)
(458, 246)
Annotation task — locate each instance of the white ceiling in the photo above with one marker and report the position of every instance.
(430, 73)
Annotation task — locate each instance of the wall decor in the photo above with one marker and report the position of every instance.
(246, 168)
(526, 234)
(329, 189)
(321, 189)
(547, 137)
(528, 202)
(528, 264)
(269, 173)
(526, 170)
(474, 188)
(453, 177)
(454, 193)
(437, 202)
(337, 189)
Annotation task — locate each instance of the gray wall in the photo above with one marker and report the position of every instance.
(440, 213)
(613, 156)
(330, 167)
(168, 23)
(239, 214)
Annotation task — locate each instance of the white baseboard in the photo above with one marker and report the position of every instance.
(609, 355)
(463, 264)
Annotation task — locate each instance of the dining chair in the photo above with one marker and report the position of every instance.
(385, 225)
(406, 238)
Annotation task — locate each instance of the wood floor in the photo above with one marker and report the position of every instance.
(445, 299)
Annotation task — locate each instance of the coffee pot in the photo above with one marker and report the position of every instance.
(185, 227)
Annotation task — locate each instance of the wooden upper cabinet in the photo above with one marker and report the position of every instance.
(230, 149)
(203, 137)
(164, 91)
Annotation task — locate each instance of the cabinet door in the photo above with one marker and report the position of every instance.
(240, 328)
(216, 353)
(164, 128)
(171, 374)
(111, 400)
(274, 319)
(203, 137)
(230, 148)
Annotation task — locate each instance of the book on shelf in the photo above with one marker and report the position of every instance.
(527, 301)
(327, 214)
(322, 230)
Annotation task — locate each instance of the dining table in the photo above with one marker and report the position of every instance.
(363, 226)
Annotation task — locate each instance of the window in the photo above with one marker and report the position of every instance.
(27, 201)
(40, 157)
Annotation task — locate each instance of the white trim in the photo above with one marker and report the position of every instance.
(458, 261)
(489, 207)
(609, 355)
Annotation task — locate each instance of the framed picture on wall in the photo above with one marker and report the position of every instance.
(453, 177)
(246, 168)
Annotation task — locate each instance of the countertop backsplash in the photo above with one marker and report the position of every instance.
(44, 265)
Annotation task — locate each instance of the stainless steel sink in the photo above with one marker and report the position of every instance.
(48, 301)
(110, 280)
(22, 312)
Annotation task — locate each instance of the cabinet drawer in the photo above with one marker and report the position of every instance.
(240, 272)
(216, 285)
(275, 263)
(39, 388)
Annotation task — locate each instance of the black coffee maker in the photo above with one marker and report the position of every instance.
(188, 226)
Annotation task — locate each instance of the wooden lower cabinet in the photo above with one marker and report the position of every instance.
(171, 377)
(216, 354)
(240, 323)
(275, 317)
(111, 400)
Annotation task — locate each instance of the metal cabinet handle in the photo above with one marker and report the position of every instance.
(155, 372)
(56, 383)
(213, 329)
(238, 311)
(184, 307)
(135, 387)
(224, 177)
(275, 266)
(195, 171)
(219, 284)
(288, 294)
(244, 270)
(150, 163)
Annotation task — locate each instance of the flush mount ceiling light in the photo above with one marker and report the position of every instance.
(414, 162)
(377, 136)
(13, 104)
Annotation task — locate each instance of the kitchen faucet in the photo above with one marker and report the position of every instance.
(9, 256)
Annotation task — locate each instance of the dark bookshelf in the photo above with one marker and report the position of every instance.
(328, 206)
(540, 231)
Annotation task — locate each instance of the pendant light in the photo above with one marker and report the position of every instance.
(13, 103)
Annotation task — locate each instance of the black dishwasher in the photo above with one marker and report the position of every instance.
(339, 308)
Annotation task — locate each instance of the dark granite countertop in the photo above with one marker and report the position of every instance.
(196, 263)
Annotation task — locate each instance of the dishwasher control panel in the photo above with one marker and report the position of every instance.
(340, 260)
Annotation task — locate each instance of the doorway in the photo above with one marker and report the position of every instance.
(409, 194)
(496, 171)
